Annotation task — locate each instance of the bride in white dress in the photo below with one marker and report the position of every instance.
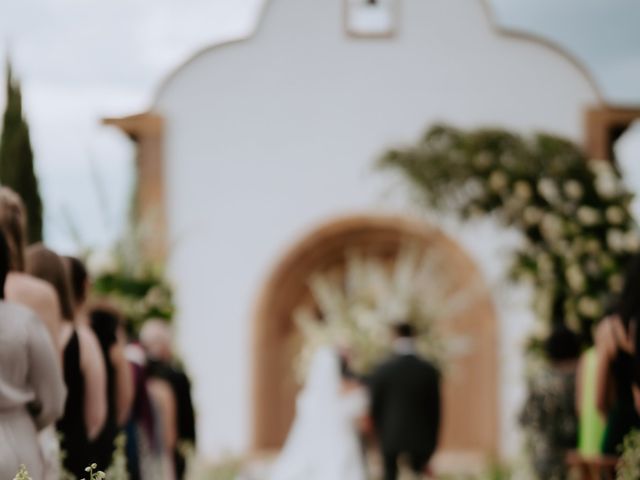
(323, 443)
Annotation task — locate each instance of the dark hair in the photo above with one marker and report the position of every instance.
(562, 344)
(78, 277)
(46, 265)
(105, 320)
(5, 262)
(629, 301)
(404, 330)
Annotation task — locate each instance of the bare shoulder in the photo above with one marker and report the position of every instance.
(86, 336)
(27, 289)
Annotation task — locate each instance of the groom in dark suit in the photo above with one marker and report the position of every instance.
(405, 405)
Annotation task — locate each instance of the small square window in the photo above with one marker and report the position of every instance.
(371, 18)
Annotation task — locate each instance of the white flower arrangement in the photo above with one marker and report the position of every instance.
(355, 309)
(574, 213)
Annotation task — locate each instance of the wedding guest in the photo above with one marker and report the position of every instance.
(32, 392)
(591, 423)
(155, 338)
(20, 287)
(618, 394)
(83, 366)
(146, 451)
(79, 287)
(405, 405)
(107, 325)
(549, 412)
(35, 294)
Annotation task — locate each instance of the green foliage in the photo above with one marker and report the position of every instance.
(228, 469)
(573, 213)
(22, 474)
(16, 158)
(629, 464)
(118, 469)
(140, 294)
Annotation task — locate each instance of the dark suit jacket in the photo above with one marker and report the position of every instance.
(405, 404)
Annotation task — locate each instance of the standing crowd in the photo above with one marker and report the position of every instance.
(584, 403)
(71, 382)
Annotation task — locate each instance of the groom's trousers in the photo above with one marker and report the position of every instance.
(417, 461)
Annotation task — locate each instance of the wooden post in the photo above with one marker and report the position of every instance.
(604, 125)
(146, 130)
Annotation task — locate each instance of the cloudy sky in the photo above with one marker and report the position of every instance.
(81, 60)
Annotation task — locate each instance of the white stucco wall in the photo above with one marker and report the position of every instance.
(269, 136)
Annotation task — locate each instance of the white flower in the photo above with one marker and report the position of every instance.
(545, 263)
(532, 216)
(615, 215)
(548, 190)
(631, 241)
(575, 278)
(551, 226)
(589, 307)
(498, 181)
(102, 262)
(573, 190)
(588, 216)
(522, 190)
(600, 166)
(606, 182)
(616, 240)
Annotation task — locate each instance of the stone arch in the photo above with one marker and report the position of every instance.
(471, 392)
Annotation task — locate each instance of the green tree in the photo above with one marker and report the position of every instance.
(16, 157)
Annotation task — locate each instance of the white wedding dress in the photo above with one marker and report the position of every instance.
(323, 443)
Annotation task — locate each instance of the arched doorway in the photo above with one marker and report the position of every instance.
(470, 396)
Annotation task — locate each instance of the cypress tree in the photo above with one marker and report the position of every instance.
(16, 157)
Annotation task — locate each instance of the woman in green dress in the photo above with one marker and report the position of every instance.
(591, 423)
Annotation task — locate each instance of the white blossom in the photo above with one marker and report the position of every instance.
(615, 215)
(551, 226)
(498, 181)
(522, 190)
(575, 278)
(589, 307)
(607, 182)
(548, 190)
(573, 190)
(532, 216)
(545, 263)
(588, 216)
(102, 262)
(631, 241)
(616, 240)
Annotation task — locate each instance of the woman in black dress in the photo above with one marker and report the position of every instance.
(615, 344)
(83, 366)
(105, 322)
